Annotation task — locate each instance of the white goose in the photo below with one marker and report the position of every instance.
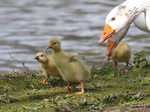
(119, 19)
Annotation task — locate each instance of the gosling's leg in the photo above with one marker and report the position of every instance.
(82, 90)
(60, 83)
(128, 64)
(115, 65)
(45, 80)
(68, 87)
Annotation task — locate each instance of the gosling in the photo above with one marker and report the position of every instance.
(71, 68)
(122, 53)
(48, 66)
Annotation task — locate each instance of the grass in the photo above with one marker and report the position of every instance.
(106, 89)
(103, 92)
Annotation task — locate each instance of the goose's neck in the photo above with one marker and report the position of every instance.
(148, 19)
(58, 52)
(136, 7)
(45, 65)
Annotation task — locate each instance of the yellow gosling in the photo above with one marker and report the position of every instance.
(48, 65)
(71, 68)
(122, 53)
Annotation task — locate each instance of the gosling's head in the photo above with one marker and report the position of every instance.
(41, 57)
(54, 44)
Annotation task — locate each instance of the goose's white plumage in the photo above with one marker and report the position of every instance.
(119, 19)
(141, 23)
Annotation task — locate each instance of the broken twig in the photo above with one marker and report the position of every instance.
(67, 108)
(23, 64)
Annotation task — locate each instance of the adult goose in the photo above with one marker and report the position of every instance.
(119, 19)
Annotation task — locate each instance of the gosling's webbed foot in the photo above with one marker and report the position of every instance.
(44, 82)
(81, 92)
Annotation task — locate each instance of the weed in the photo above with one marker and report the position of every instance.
(140, 60)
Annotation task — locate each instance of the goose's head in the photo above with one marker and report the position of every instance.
(55, 44)
(41, 57)
(117, 25)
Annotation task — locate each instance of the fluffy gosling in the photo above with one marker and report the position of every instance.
(122, 53)
(49, 67)
(71, 68)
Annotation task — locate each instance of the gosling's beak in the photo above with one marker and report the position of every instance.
(49, 47)
(107, 33)
(110, 47)
(36, 57)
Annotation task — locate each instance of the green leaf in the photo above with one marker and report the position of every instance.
(83, 101)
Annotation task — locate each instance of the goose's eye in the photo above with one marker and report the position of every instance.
(41, 55)
(54, 43)
(113, 18)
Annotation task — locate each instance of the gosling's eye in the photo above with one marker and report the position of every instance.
(54, 43)
(41, 55)
(113, 18)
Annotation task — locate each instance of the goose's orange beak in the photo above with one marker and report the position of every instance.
(110, 47)
(107, 33)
